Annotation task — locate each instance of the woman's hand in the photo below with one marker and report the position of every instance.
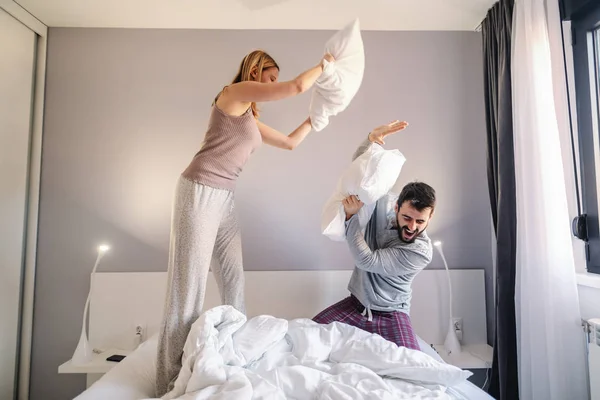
(328, 57)
(378, 134)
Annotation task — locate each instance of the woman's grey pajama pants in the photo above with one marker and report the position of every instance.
(204, 233)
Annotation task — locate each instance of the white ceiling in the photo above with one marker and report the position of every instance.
(261, 14)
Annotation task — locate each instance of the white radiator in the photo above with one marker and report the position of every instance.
(593, 335)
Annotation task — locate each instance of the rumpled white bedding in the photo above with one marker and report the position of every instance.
(133, 378)
(226, 357)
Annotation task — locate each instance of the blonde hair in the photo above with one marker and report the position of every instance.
(256, 61)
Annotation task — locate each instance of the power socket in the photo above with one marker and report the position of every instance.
(139, 333)
(139, 330)
(458, 328)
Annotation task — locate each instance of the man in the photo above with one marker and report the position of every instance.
(387, 257)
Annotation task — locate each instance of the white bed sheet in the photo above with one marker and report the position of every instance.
(133, 378)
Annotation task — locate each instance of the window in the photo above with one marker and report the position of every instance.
(586, 58)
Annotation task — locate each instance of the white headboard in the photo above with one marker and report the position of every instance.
(122, 301)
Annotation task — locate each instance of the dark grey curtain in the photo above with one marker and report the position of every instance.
(496, 29)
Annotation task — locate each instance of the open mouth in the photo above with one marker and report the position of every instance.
(408, 235)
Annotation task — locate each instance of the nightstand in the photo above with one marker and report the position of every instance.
(95, 368)
(476, 358)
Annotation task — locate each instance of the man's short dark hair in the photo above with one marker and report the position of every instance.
(420, 196)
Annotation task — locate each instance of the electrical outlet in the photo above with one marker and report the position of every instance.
(139, 332)
(458, 328)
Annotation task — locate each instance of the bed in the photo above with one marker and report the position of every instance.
(121, 301)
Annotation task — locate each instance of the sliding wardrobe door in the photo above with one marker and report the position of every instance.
(17, 61)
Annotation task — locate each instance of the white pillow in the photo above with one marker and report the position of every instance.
(341, 79)
(132, 378)
(371, 176)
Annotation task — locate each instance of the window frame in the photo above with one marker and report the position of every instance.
(585, 56)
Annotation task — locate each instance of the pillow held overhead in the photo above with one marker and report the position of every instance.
(341, 79)
(370, 177)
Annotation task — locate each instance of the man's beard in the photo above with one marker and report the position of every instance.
(413, 235)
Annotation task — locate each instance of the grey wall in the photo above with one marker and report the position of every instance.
(126, 111)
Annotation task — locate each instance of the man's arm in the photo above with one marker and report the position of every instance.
(390, 261)
(377, 135)
(364, 146)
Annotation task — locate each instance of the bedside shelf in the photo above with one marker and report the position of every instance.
(98, 365)
(474, 356)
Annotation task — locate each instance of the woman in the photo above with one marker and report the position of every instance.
(204, 226)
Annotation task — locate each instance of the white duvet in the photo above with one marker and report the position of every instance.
(227, 357)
